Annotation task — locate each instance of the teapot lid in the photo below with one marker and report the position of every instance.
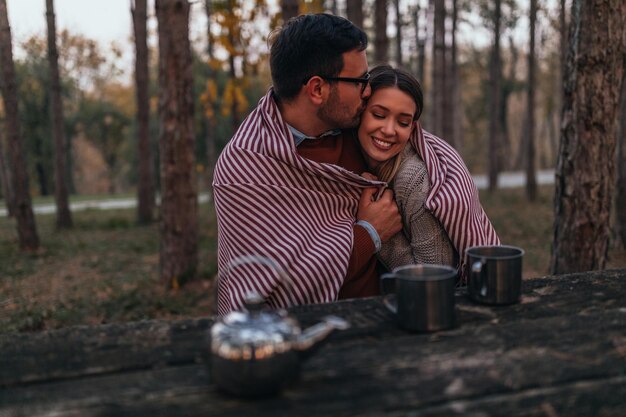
(255, 332)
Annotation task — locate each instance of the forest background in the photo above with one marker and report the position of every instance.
(99, 91)
(474, 99)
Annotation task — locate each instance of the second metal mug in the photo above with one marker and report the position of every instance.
(494, 274)
(424, 296)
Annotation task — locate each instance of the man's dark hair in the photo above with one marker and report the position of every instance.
(309, 45)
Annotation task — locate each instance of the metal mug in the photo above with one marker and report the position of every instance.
(494, 274)
(424, 296)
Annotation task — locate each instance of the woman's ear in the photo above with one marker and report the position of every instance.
(315, 90)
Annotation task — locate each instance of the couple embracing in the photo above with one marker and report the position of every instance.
(333, 178)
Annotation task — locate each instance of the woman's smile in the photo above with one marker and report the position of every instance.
(382, 144)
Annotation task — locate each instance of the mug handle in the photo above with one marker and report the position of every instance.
(391, 303)
(387, 283)
(477, 269)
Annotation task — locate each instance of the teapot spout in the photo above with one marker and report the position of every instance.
(318, 332)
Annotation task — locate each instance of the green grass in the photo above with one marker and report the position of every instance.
(106, 269)
(524, 224)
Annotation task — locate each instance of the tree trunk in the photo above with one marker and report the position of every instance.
(179, 202)
(211, 153)
(507, 88)
(7, 193)
(553, 138)
(456, 102)
(398, 33)
(447, 111)
(289, 9)
(421, 47)
(26, 227)
(69, 165)
(553, 145)
(563, 54)
(381, 41)
(64, 216)
(438, 90)
(145, 185)
(585, 174)
(621, 164)
(354, 12)
(531, 181)
(40, 170)
(208, 11)
(210, 123)
(495, 95)
(235, 119)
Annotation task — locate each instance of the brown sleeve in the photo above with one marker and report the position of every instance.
(361, 278)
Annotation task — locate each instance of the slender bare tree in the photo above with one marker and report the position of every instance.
(26, 227)
(63, 214)
(531, 181)
(585, 174)
(421, 44)
(621, 164)
(439, 70)
(561, 74)
(7, 193)
(562, 42)
(210, 122)
(399, 25)
(456, 128)
(179, 202)
(495, 95)
(354, 12)
(381, 40)
(145, 185)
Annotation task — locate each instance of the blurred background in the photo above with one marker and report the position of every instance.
(493, 73)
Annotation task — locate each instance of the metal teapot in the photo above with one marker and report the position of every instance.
(257, 351)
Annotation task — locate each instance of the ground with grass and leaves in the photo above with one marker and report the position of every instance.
(106, 269)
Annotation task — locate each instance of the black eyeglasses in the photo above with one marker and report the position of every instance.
(364, 80)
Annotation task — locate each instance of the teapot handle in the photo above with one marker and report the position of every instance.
(253, 300)
(308, 341)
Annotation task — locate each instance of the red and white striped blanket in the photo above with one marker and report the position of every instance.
(273, 203)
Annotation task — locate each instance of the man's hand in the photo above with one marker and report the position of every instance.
(382, 214)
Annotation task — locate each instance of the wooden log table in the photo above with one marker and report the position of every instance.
(560, 352)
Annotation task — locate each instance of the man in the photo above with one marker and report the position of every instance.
(287, 186)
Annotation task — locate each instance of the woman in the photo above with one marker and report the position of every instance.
(437, 198)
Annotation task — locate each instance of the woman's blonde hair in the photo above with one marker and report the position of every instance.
(385, 76)
(387, 170)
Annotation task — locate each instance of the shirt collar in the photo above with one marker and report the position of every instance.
(299, 137)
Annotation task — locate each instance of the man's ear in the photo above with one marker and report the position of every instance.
(315, 90)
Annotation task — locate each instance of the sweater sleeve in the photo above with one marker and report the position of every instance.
(424, 239)
(429, 241)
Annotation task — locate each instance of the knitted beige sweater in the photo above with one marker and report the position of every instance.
(422, 239)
